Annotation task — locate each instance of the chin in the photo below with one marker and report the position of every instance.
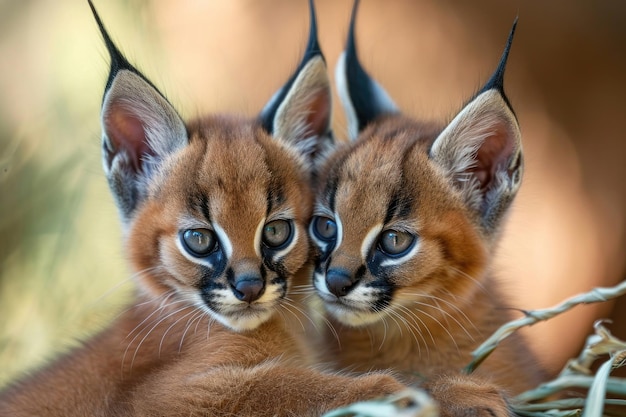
(243, 321)
(352, 317)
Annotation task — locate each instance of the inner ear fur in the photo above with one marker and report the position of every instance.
(305, 112)
(140, 128)
(481, 152)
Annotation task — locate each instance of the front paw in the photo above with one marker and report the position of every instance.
(372, 386)
(468, 396)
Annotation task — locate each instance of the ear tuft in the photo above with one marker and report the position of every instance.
(497, 79)
(140, 128)
(481, 152)
(481, 149)
(300, 112)
(362, 97)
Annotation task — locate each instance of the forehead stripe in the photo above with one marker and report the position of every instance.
(199, 202)
(275, 195)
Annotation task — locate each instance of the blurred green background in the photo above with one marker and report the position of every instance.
(62, 267)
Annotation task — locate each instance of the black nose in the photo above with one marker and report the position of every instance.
(248, 289)
(339, 282)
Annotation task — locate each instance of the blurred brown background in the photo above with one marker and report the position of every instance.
(62, 268)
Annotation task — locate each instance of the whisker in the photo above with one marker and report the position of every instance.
(416, 329)
(441, 325)
(198, 316)
(415, 318)
(447, 313)
(479, 284)
(208, 328)
(456, 308)
(117, 286)
(156, 311)
(146, 336)
(287, 302)
(172, 326)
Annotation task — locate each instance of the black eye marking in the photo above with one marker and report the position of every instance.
(395, 243)
(198, 242)
(277, 234)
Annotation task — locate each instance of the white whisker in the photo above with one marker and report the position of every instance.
(414, 328)
(172, 326)
(196, 317)
(146, 336)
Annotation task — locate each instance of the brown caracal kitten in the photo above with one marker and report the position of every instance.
(406, 223)
(215, 215)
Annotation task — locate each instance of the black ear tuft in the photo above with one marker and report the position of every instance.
(481, 150)
(300, 112)
(140, 129)
(118, 61)
(362, 97)
(313, 50)
(496, 82)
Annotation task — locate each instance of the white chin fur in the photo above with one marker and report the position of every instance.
(347, 315)
(351, 317)
(244, 321)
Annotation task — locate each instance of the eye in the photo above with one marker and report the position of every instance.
(395, 243)
(324, 228)
(199, 242)
(276, 233)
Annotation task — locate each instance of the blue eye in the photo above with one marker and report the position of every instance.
(324, 228)
(199, 242)
(395, 243)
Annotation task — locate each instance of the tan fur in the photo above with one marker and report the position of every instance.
(165, 355)
(445, 300)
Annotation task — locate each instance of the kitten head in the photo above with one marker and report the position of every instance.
(215, 210)
(410, 211)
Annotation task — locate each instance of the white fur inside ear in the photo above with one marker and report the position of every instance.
(305, 112)
(163, 129)
(456, 149)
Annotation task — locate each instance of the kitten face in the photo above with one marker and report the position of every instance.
(389, 227)
(407, 213)
(224, 227)
(214, 210)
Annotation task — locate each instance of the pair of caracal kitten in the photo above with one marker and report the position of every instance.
(223, 217)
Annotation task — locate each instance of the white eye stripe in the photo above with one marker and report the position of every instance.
(258, 235)
(370, 238)
(339, 230)
(186, 254)
(224, 241)
(402, 259)
(293, 242)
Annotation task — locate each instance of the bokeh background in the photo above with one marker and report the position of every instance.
(62, 267)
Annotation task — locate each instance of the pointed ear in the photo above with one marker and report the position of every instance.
(481, 151)
(140, 128)
(362, 98)
(300, 112)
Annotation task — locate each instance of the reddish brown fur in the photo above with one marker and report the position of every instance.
(164, 356)
(428, 340)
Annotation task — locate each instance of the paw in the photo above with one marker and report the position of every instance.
(371, 386)
(468, 396)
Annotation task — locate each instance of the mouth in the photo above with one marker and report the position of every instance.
(240, 315)
(347, 310)
(243, 318)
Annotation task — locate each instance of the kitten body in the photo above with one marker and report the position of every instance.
(215, 214)
(406, 224)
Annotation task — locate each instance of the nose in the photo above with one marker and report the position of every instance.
(339, 282)
(248, 288)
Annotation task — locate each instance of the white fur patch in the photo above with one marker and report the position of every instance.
(370, 238)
